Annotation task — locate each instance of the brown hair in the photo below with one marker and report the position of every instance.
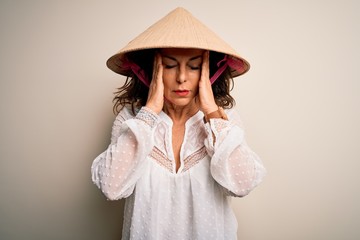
(135, 93)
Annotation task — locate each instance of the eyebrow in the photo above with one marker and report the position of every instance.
(191, 59)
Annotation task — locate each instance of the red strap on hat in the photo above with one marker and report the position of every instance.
(234, 63)
(228, 61)
(127, 65)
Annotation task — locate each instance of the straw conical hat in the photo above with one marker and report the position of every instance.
(178, 29)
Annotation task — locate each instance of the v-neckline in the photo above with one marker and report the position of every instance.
(170, 149)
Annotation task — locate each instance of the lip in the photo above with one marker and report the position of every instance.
(182, 93)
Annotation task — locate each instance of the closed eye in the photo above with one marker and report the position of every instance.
(194, 68)
(169, 66)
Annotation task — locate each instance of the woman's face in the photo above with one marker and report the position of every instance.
(181, 74)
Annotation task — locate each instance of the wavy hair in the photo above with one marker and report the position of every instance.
(135, 93)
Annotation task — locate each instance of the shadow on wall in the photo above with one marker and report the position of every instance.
(108, 216)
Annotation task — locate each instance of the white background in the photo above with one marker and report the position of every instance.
(299, 102)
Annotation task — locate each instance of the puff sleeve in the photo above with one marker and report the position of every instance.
(233, 164)
(116, 170)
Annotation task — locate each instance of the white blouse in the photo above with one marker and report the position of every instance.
(192, 203)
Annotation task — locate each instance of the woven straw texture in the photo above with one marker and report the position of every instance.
(178, 29)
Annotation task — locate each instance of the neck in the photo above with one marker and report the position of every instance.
(180, 114)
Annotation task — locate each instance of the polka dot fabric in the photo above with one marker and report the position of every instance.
(192, 203)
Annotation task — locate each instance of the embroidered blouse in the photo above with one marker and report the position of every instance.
(191, 203)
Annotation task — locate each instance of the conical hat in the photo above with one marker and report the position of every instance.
(178, 29)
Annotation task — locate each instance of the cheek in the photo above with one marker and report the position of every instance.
(168, 76)
(167, 80)
(195, 78)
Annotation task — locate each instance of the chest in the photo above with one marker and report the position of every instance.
(177, 139)
(178, 144)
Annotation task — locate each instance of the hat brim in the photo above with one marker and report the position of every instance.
(178, 29)
(116, 62)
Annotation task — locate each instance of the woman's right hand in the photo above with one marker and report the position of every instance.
(155, 100)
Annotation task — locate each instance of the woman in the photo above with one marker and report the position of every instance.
(177, 150)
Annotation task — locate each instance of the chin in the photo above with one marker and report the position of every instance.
(181, 102)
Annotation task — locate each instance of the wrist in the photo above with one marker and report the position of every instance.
(148, 116)
(153, 108)
(211, 109)
(218, 113)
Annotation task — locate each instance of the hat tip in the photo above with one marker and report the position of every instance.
(180, 9)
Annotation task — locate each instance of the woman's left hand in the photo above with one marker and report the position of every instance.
(205, 96)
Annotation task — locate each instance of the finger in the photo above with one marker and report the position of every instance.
(156, 92)
(155, 66)
(155, 77)
(159, 69)
(152, 86)
(205, 67)
(206, 96)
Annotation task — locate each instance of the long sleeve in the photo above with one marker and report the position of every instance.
(233, 164)
(116, 170)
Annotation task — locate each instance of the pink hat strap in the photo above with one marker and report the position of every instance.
(234, 63)
(127, 65)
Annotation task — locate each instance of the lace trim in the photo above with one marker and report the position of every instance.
(148, 116)
(189, 162)
(194, 158)
(219, 124)
(161, 158)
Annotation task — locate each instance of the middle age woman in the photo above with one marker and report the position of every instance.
(177, 150)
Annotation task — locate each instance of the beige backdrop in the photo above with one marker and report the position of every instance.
(300, 104)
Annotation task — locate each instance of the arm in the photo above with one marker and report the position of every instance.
(233, 164)
(116, 170)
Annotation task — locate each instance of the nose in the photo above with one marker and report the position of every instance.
(181, 78)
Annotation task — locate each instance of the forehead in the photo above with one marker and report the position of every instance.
(182, 52)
